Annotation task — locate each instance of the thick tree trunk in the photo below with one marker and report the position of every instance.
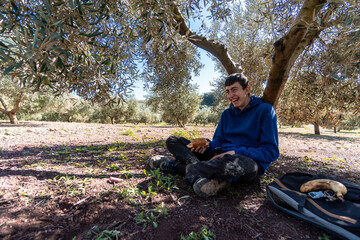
(12, 113)
(287, 49)
(317, 129)
(13, 118)
(180, 123)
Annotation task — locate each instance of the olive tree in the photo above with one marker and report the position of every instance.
(11, 96)
(178, 106)
(325, 86)
(117, 111)
(92, 47)
(81, 46)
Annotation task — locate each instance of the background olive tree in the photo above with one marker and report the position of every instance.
(96, 49)
(11, 96)
(324, 88)
(178, 106)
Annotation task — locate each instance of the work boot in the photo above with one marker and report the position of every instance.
(191, 174)
(204, 187)
(163, 163)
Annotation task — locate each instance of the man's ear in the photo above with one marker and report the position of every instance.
(247, 89)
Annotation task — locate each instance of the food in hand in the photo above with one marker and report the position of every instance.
(325, 184)
(198, 142)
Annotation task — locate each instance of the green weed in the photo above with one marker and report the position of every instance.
(160, 182)
(81, 165)
(334, 158)
(143, 155)
(101, 162)
(324, 237)
(115, 147)
(96, 234)
(151, 216)
(52, 153)
(240, 209)
(129, 194)
(113, 167)
(123, 157)
(24, 196)
(260, 195)
(148, 193)
(125, 172)
(67, 150)
(304, 162)
(83, 149)
(266, 179)
(186, 134)
(71, 185)
(327, 165)
(91, 149)
(130, 133)
(204, 234)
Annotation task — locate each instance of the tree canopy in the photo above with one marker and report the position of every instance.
(96, 48)
(81, 46)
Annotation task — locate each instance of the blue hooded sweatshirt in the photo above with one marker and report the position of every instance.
(251, 132)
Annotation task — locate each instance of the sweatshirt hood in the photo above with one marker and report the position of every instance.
(254, 101)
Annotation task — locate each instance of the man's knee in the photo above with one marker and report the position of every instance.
(240, 168)
(175, 140)
(171, 140)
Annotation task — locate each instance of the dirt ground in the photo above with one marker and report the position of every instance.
(54, 184)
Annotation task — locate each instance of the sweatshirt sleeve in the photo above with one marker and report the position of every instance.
(267, 150)
(218, 137)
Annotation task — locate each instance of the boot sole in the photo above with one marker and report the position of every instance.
(206, 188)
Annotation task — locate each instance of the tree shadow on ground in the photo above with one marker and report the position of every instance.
(113, 215)
(242, 212)
(286, 164)
(67, 150)
(23, 162)
(88, 155)
(308, 136)
(22, 124)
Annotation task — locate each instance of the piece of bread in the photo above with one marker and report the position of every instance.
(198, 142)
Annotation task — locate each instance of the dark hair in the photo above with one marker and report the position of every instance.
(237, 77)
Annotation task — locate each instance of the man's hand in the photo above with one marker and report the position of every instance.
(223, 154)
(200, 150)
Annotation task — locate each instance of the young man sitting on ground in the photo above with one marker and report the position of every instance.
(244, 144)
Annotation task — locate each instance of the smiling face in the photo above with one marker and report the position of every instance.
(237, 95)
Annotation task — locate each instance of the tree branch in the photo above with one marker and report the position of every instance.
(289, 47)
(17, 103)
(215, 48)
(5, 109)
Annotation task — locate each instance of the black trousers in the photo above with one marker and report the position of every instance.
(232, 168)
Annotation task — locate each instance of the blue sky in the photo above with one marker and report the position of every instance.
(207, 75)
